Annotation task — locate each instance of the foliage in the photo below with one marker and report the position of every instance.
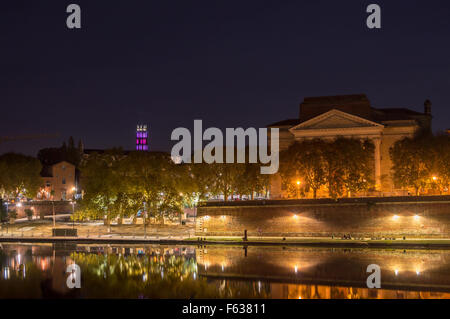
(3, 214)
(29, 212)
(19, 176)
(118, 186)
(229, 179)
(12, 214)
(343, 165)
(417, 160)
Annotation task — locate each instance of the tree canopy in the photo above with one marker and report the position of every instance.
(342, 166)
(19, 176)
(422, 163)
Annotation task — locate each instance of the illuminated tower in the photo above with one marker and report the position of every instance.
(141, 138)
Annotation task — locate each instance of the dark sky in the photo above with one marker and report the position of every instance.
(231, 63)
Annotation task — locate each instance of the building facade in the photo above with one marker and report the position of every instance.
(58, 182)
(352, 116)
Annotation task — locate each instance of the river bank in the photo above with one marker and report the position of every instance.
(204, 241)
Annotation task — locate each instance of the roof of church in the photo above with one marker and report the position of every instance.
(357, 104)
(289, 122)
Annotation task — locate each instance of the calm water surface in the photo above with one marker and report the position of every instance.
(155, 271)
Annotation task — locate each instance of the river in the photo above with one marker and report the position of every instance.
(161, 271)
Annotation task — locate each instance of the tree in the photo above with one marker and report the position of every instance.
(158, 181)
(421, 162)
(103, 184)
(343, 165)
(357, 163)
(3, 213)
(305, 159)
(19, 176)
(442, 165)
(251, 181)
(409, 167)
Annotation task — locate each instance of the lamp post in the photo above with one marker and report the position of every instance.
(74, 191)
(53, 209)
(73, 214)
(144, 217)
(298, 189)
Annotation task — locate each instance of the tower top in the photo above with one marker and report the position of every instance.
(141, 137)
(141, 128)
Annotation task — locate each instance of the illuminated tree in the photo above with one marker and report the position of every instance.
(19, 176)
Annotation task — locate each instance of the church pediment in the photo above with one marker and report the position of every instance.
(335, 119)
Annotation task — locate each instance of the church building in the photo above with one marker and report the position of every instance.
(352, 116)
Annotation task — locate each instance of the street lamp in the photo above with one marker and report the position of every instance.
(53, 213)
(145, 223)
(73, 214)
(298, 188)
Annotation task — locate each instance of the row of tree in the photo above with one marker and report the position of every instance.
(342, 166)
(116, 185)
(422, 163)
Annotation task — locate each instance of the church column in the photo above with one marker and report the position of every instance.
(377, 153)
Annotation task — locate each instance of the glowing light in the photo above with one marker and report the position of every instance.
(298, 182)
(416, 217)
(395, 217)
(19, 204)
(295, 216)
(295, 268)
(206, 217)
(417, 272)
(434, 178)
(396, 272)
(223, 217)
(74, 189)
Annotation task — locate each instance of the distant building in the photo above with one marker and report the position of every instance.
(352, 116)
(141, 138)
(58, 182)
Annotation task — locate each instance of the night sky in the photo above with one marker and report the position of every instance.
(231, 63)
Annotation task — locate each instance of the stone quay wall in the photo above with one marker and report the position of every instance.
(375, 217)
(43, 207)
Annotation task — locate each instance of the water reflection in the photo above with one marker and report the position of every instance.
(154, 271)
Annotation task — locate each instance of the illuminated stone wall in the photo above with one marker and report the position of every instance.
(370, 218)
(44, 207)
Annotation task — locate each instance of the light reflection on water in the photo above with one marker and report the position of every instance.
(154, 271)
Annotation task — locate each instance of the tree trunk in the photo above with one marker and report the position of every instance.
(315, 193)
